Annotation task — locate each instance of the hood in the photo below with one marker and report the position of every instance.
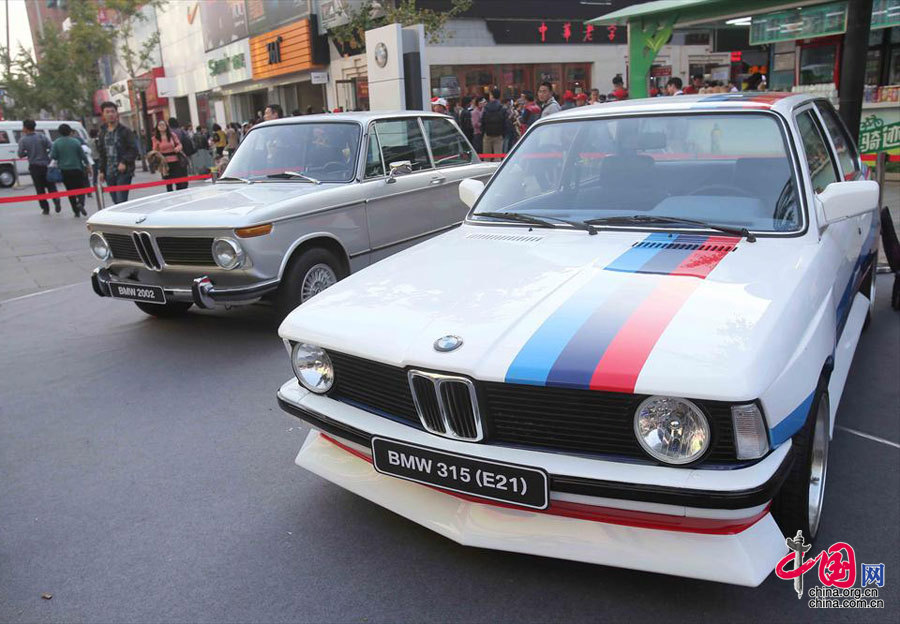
(654, 313)
(227, 204)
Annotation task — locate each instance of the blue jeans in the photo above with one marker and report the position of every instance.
(117, 179)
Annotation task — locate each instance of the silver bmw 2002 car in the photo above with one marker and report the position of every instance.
(304, 202)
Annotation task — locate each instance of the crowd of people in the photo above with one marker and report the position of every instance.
(493, 125)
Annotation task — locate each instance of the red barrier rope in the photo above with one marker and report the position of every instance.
(128, 187)
(58, 194)
(106, 189)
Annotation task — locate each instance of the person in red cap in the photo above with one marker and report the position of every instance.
(439, 105)
(580, 100)
(568, 100)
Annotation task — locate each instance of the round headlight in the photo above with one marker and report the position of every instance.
(227, 253)
(313, 367)
(99, 246)
(671, 430)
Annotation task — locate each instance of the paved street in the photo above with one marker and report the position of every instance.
(146, 474)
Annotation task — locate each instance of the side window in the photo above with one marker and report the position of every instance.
(401, 139)
(843, 144)
(374, 166)
(821, 166)
(54, 134)
(4, 137)
(448, 145)
(17, 134)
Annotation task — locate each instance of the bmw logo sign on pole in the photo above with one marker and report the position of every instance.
(447, 343)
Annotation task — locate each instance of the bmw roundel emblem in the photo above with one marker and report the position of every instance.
(447, 343)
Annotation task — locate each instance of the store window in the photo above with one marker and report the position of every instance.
(843, 145)
(817, 64)
(821, 166)
(4, 138)
(448, 147)
(402, 139)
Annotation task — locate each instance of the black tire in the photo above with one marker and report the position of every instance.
(290, 292)
(791, 506)
(164, 310)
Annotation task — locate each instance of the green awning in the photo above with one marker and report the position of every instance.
(647, 8)
(696, 10)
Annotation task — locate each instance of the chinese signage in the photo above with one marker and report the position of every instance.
(223, 22)
(885, 13)
(229, 64)
(285, 50)
(877, 134)
(803, 23)
(554, 31)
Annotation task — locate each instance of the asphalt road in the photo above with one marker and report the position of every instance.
(146, 474)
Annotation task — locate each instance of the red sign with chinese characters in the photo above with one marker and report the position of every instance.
(554, 32)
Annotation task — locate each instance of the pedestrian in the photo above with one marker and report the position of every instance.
(695, 86)
(465, 119)
(477, 111)
(619, 91)
(118, 151)
(231, 138)
(568, 100)
(595, 97)
(273, 111)
(512, 128)
(439, 105)
(169, 145)
(531, 112)
(187, 144)
(673, 86)
(218, 139)
(549, 105)
(493, 124)
(72, 162)
(36, 147)
(580, 100)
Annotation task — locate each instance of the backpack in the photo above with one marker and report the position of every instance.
(187, 146)
(492, 121)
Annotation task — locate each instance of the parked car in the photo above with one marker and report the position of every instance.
(630, 354)
(11, 166)
(303, 203)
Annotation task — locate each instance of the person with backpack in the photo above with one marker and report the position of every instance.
(494, 124)
(74, 165)
(187, 143)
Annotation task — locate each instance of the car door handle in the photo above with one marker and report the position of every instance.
(438, 180)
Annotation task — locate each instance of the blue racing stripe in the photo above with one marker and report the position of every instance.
(638, 256)
(575, 365)
(534, 361)
(792, 423)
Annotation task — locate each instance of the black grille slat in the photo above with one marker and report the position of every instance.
(580, 421)
(145, 248)
(460, 411)
(430, 409)
(186, 250)
(122, 247)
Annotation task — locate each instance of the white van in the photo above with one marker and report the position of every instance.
(10, 131)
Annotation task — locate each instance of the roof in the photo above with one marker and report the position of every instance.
(743, 100)
(358, 116)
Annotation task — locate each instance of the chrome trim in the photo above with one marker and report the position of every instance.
(146, 247)
(437, 380)
(239, 255)
(105, 242)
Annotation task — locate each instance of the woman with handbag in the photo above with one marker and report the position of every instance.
(168, 144)
(73, 165)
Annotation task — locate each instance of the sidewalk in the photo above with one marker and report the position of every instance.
(40, 252)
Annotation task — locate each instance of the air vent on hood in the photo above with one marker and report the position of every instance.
(690, 246)
(506, 237)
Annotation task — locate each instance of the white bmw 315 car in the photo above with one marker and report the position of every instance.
(632, 351)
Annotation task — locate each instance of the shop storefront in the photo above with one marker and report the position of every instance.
(453, 81)
(156, 108)
(228, 71)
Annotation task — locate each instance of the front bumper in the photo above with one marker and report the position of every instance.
(202, 293)
(707, 524)
(744, 558)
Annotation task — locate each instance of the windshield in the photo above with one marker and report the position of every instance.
(730, 170)
(324, 151)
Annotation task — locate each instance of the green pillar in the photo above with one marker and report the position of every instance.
(646, 37)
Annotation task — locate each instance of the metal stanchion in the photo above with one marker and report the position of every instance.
(98, 190)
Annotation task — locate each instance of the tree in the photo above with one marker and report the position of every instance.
(351, 36)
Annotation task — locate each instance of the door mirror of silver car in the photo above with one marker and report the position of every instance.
(843, 200)
(470, 190)
(398, 168)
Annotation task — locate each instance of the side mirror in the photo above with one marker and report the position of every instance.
(470, 190)
(398, 168)
(843, 200)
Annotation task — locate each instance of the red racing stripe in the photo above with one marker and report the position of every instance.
(621, 364)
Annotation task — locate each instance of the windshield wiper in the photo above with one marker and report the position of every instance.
(538, 220)
(236, 178)
(294, 174)
(648, 219)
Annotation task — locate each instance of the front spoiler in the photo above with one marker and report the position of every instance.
(202, 293)
(744, 558)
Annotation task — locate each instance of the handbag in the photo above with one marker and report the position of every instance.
(54, 174)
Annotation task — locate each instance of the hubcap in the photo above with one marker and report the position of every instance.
(6, 178)
(818, 467)
(318, 278)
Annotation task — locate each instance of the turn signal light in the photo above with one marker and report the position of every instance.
(256, 230)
